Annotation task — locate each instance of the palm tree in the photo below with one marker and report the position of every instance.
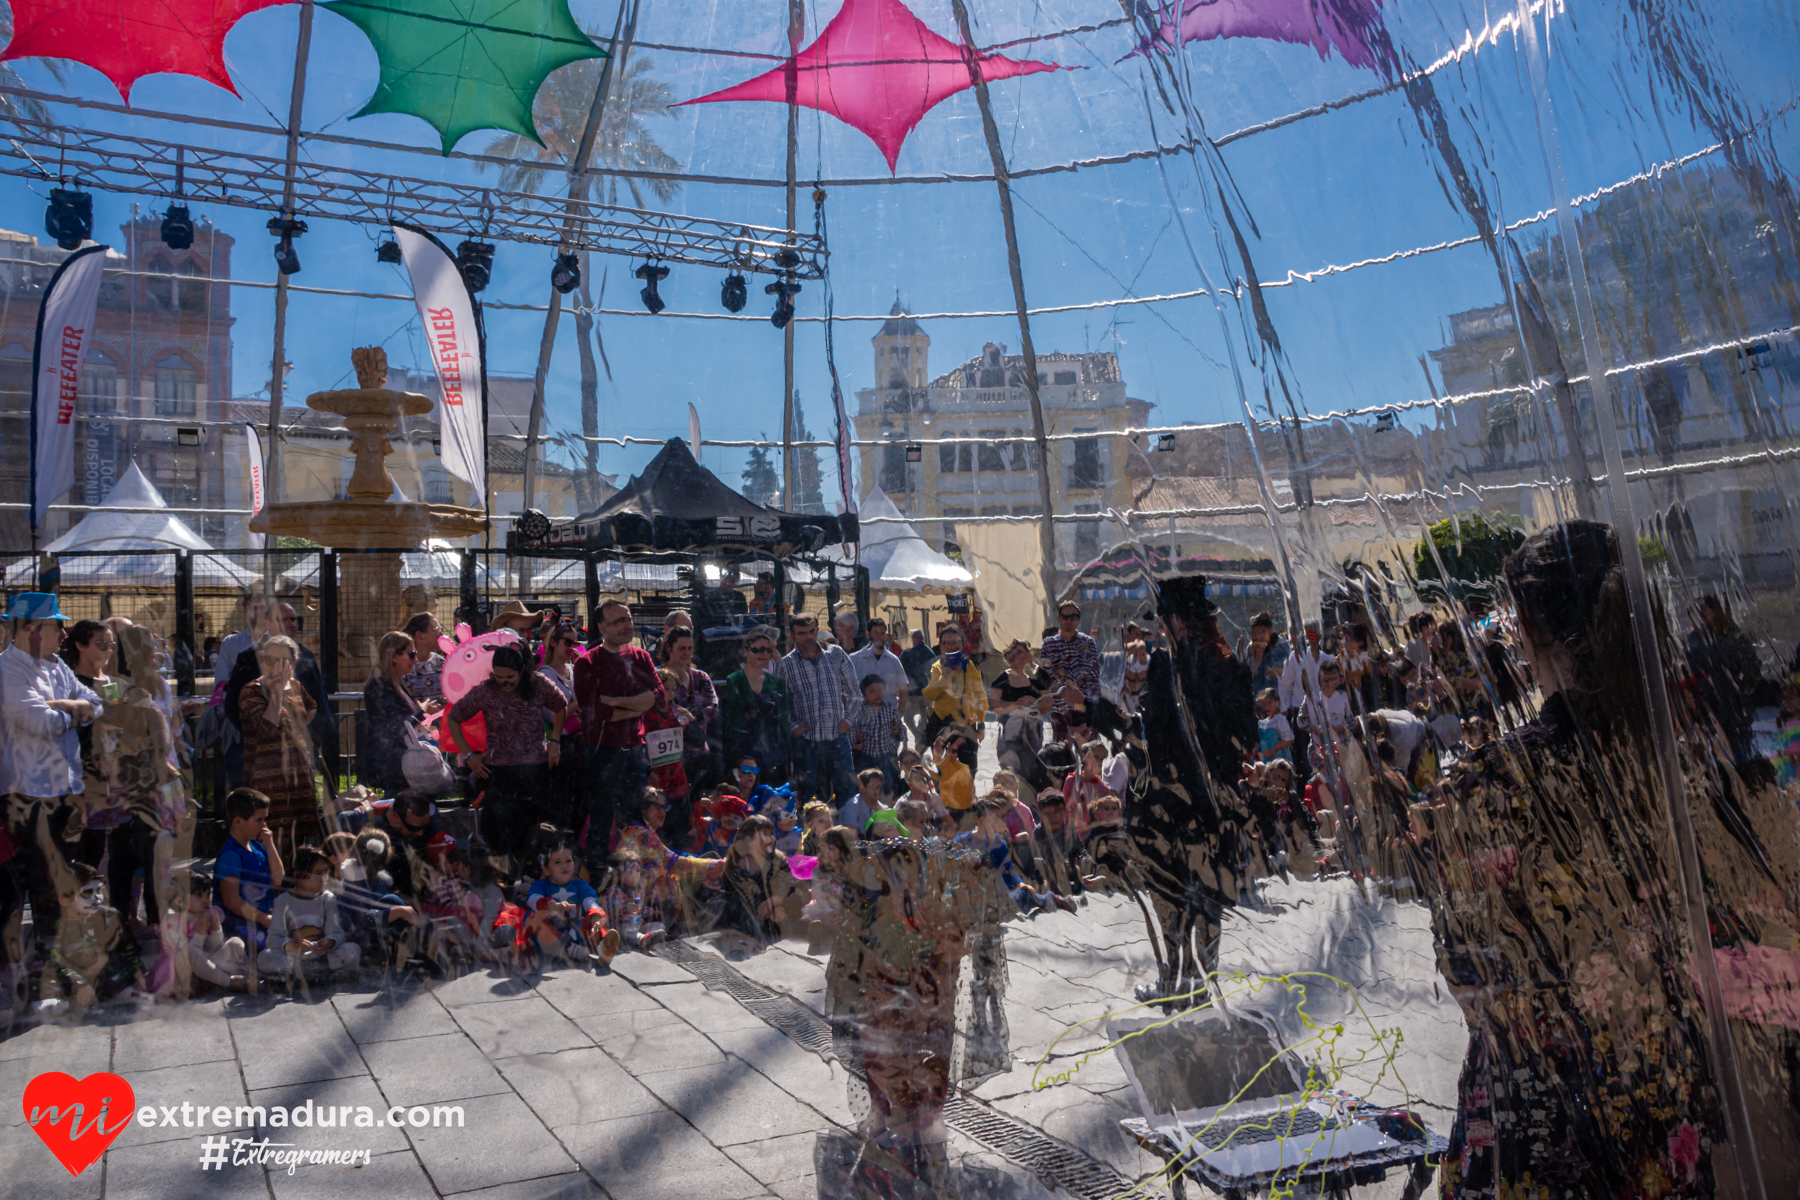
(22, 106)
(623, 142)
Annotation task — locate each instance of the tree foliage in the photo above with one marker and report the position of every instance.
(1473, 547)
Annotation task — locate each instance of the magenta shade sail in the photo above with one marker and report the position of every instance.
(877, 68)
(1349, 26)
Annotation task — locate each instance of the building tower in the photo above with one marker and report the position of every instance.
(900, 351)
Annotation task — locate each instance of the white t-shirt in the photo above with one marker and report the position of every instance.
(1405, 731)
(1336, 709)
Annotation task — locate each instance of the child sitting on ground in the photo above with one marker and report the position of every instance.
(372, 912)
(871, 797)
(1020, 820)
(95, 957)
(305, 935)
(563, 913)
(449, 898)
(199, 929)
(817, 817)
(919, 787)
(247, 868)
(721, 829)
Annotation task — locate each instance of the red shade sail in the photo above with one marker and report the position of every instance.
(126, 40)
(878, 68)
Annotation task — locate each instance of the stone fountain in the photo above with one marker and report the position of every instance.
(370, 600)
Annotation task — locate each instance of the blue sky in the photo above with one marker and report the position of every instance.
(1338, 188)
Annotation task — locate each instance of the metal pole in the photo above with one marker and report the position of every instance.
(796, 29)
(1002, 181)
(184, 623)
(571, 222)
(278, 361)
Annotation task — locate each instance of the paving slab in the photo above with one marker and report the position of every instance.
(577, 1185)
(41, 1047)
(709, 1012)
(293, 1042)
(528, 1025)
(820, 1084)
(501, 1141)
(432, 1070)
(648, 969)
(655, 1040)
(778, 1159)
(385, 1018)
(207, 1085)
(577, 1087)
(658, 1156)
(391, 1175)
(479, 987)
(358, 1092)
(171, 1171)
(84, 1057)
(733, 1104)
(580, 996)
(23, 1157)
(173, 1036)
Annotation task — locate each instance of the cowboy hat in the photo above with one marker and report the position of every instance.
(514, 612)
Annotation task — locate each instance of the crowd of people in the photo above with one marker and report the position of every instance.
(897, 806)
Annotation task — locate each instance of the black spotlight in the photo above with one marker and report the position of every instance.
(787, 258)
(565, 276)
(388, 252)
(784, 291)
(652, 274)
(477, 262)
(177, 228)
(287, 259)
(735, 294)
(70, 217)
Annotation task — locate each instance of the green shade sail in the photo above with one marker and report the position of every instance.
(465, 65)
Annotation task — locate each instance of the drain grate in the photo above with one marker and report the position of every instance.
(1057, 1164)
(785, 1013)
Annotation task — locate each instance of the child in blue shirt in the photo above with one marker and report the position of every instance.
(565, 913)
(247, 869)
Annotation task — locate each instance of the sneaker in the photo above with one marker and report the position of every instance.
(609, 949)
(650, 938)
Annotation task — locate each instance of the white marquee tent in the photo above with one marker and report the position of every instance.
(899, 559)
(111, 528)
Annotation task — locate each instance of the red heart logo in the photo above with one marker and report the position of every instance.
(72, 1115)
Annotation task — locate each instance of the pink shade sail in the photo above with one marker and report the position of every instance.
(126, 40)
(1351, 27)
(877, 68)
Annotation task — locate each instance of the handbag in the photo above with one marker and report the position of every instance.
(424, 766)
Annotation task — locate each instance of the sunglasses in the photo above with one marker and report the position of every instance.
(1074, 616)
(758, 649)
(748, 770)
(409, 652)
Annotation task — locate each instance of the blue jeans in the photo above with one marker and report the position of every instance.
(822, 770)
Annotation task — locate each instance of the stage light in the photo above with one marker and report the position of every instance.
(787, 258)
(476, 259)
(652, 274)
(915, 453)
(287, 259)
(388, 252)
(783, 290)
(735, 293)
(177, 228)
(565, 276)
(1165, 443)
(187, 437)
(70, 217)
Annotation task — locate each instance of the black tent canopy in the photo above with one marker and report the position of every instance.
(677, 505)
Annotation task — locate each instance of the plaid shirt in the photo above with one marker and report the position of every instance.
(875, 727)
(1076, 662)
(821, 690)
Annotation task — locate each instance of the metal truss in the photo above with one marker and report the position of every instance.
(117, 163)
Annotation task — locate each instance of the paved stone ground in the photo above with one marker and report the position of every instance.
(644, 1084)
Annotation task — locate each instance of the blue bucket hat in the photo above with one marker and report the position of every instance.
(34, 606)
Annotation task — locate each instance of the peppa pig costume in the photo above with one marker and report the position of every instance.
(468, 661)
